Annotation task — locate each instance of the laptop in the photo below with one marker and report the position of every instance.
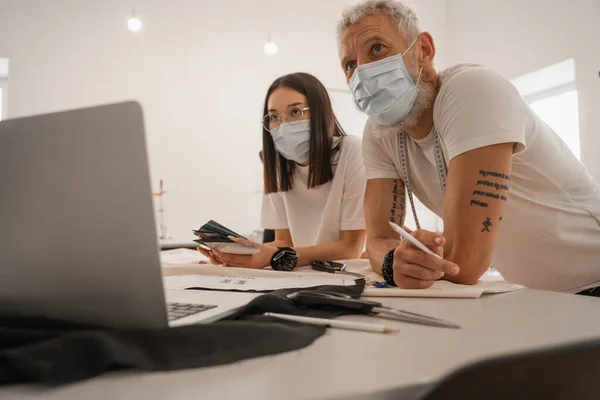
(78, 238)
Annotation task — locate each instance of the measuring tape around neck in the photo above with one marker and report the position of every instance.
(439, 163)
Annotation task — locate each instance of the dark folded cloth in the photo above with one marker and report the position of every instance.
(79, 355)
(55, 352)
(594, 292)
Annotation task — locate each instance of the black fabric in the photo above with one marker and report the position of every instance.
(56, 352)
(73, 356)
(594, 292)
(278, 302)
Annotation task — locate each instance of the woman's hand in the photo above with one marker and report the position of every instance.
(256, 261)
(211, 256)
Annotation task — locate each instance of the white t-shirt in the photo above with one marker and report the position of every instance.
(549, 237)
(316, 216)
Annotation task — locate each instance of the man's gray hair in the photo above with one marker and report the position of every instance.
(405, 17)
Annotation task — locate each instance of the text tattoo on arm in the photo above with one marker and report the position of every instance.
(492, 187)
(398, 210)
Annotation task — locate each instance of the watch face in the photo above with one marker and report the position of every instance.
(284, 254)
(286, 260)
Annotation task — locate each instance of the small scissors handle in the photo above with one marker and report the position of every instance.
(320, 299)
(333, 268)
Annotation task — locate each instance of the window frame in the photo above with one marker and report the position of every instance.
(554, 92)
(551, 92)
(548, 82)
(4, 87)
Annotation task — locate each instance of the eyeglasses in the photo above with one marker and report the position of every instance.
(294, 113)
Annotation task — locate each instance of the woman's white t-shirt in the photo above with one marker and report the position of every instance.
(316, 216)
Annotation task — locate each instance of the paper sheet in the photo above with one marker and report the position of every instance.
(440, 289)
(249, 283)
(445, 289)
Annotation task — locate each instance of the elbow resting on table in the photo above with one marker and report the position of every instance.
(463, 279)
(351, 253)
(470, 270)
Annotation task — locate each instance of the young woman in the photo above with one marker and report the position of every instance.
(313, 178)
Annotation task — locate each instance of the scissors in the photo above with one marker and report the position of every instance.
(320, 299)
(333, 268)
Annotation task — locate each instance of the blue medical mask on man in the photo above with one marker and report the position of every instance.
(292, 140)
(384, 90)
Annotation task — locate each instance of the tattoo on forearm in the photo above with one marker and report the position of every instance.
(494, 174)
(486, 225)
(490, 184)
(495, 185)
(478, 203)
(398, 210)
(490, 195)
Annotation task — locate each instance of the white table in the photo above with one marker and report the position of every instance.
(342, 363)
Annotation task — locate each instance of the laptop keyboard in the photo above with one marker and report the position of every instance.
(180, 310)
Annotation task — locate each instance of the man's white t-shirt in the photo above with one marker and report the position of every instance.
(316, 216)
(549, 237)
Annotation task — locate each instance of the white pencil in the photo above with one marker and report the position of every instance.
(412, 239)
(334, 323)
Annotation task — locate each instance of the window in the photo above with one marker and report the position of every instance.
(561, 113)
(552, 95)
(3, 96)
(3, 87)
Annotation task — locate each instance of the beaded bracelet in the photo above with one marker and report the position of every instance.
(387, 268)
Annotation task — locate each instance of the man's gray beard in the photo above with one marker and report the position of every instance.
(425, 98)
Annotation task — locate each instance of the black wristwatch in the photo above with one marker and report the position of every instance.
(387, 268)
(284, 259)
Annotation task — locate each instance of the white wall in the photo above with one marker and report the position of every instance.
(198, 69)
(519, 36)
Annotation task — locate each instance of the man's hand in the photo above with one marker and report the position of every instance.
(415, 269)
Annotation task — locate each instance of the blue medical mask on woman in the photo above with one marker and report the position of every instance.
(384, 90)
(292, 140)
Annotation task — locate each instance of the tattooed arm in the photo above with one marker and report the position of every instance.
(384, 201)
(474, 202)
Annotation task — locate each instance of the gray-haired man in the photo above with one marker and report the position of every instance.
(465, 143)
